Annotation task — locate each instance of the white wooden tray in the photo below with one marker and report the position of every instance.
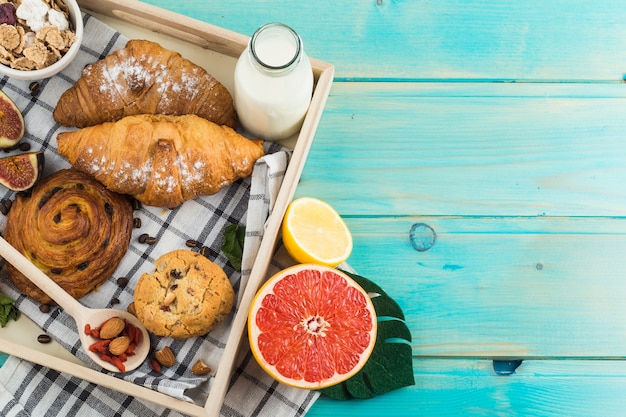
(217, 50)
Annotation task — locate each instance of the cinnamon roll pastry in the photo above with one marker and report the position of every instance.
(73, 229)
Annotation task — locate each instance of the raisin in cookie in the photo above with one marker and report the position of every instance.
(185, 296)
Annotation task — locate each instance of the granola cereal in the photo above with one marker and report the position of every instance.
(34, 34)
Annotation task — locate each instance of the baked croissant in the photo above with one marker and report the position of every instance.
(161, 160)
(143, 77)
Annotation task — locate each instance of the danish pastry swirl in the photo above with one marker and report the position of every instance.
(73, 229)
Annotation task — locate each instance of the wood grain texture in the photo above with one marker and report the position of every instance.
(502, 287)
(471, 149)
(434, 40)
(470, 388)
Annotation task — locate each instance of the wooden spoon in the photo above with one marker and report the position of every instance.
(82, 315)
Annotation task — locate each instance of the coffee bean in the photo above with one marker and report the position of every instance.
(3, 208)
(44, 338)
(137, 223)
(204, 251)
(143, 237)
(122, 282)
(151, 240)
(136, 204)
(24, 146)
(115, 301)
(44, 308)
(34, 88)
(191, 243)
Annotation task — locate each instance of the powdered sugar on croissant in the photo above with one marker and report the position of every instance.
(161, 160)
(143, 78)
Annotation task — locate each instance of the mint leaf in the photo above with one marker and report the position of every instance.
(391, 364)
(232, 247)
(8, 311)
(5, 299)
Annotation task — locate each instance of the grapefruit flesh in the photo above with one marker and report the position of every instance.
(311, 326)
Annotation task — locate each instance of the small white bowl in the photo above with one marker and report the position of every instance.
(76, 22)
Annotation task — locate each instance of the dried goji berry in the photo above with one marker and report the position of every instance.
(87, 329)
(99, 346)
(130, 332)
(117, 362)
(105, 357)
(156, 366)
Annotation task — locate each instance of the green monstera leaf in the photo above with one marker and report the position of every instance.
(390, 366)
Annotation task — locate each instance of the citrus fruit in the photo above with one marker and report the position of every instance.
(313, 232)
(311, 326)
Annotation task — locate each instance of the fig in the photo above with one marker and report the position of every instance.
(20, 172)
(11, 122)
(7, 14)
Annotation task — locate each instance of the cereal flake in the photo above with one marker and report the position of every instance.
(41, 36)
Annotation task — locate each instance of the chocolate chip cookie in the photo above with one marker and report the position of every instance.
(186, 295)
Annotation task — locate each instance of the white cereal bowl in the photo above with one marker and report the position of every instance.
(76, 22)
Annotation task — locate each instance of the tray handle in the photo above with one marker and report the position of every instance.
(169, 23)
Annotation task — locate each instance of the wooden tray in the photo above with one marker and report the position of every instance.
(217, 50)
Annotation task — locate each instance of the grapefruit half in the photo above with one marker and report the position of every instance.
(311, 326)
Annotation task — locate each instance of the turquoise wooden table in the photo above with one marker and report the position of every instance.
(500, 126)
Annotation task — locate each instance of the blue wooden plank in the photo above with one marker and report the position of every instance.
(471, 388)
(435, 40)
(502, 287)
(471, 149)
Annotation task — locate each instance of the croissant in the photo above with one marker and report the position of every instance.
(161, 160)
(143, 77)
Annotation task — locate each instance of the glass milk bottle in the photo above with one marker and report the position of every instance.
(273, 83)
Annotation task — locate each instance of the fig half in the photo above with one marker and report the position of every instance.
(21, 172)
(11, 122)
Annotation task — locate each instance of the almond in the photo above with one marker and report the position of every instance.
(165, 356)
(169, 299)
(119, 345)
(200, 368)
(111, 328)
(131, 309)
